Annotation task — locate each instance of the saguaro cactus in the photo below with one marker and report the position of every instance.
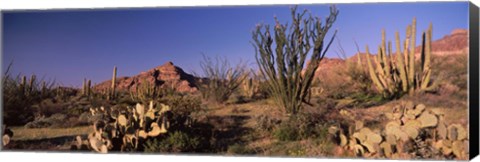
(283, 66)
(114, 79)
(395, 78)
(89, 85)
(84, 87)
(31, 85)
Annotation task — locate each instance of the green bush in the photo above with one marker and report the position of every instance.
(239, 149)
(55, 120)
(183, 110)
(265, 122)
(175, 142)
(301, 126)
(286, 132)
(19, 94)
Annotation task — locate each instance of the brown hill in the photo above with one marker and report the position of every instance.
(455, 43)
(164, 76)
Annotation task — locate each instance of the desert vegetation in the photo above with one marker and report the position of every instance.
(408, 104)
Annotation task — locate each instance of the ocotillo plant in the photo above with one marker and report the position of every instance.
(395, 78)
(283, 66)
(221, 79)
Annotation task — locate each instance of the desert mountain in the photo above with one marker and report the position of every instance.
(165, 76)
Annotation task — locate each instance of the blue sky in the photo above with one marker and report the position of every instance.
(69, 45)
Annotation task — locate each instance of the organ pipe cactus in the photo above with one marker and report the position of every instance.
(395, 77)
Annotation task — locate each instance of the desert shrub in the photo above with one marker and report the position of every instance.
(55, 120)
(84, 118)
(183, 109)
(239, 149)
(175, 142)
(286, 132)
(326, 103)
(220, 79)
(296, 151)
(122, 99)
(454, 72)
(19, 94)
(48, 107)
(368, 100)
(64, 93)
(181, 142)
(284, 70)
(265, 122)
(335, 84)
(358, 77)
(237, 99)
(302, 126)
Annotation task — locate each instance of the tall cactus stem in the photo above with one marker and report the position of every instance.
(114, 79)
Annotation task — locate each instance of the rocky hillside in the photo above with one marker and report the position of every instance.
(165, 76)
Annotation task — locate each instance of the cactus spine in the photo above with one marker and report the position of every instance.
(395, 78)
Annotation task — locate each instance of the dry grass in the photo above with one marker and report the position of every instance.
(21, 133)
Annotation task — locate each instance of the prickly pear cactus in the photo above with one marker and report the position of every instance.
(7, 135)
(412, 131)
(128, 130)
